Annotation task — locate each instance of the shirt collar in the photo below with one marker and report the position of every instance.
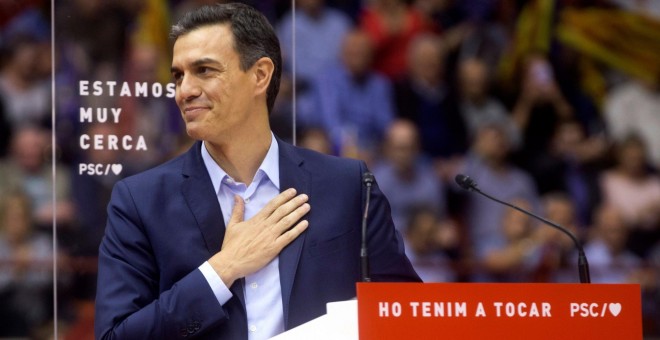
(269, 166)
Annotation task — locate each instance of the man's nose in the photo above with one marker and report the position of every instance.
(189, 88)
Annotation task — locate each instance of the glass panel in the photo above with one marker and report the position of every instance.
(114, 116)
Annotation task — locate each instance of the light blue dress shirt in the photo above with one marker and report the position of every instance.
(263, 294)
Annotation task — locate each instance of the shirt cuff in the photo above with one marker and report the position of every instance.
(220, 290)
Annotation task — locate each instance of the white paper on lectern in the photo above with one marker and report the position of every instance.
(340, 322)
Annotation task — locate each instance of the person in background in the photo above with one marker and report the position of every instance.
(633, 188)
(477, 106)
(154, 119)
(392, 25)
(538, 109)
(24, 89)
(406, 176)
(430, 240)
(319, 34)
(487, 164)
(423, 97)
(90, 195)
(518, 257)
(633, 108)
(26, 269)
(354, 103)
(609, 259)
(573, 165)
(559, 257)
(315, 139)
(28, 169)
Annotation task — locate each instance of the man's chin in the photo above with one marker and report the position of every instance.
(194, 132)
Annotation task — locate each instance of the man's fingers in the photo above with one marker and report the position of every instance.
(287, 209)
(290, 235)
(276, 202)
(238, 213)
(292, 217)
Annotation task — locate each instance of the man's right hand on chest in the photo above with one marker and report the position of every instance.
(249, 245)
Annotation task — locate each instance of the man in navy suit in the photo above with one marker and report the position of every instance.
(244, 236)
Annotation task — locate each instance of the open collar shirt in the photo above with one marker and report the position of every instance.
(263, 295)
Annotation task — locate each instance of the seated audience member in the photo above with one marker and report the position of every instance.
(539, 107)
(609, 260)
(354, 102)
(634, 191)
(154, 119)
(560, 208)
(422, 96)
(404, 176)
(90, 194)
(487, 164)
(27, 169)
(392, 25)
(427, 239)
(319, 32)
(559, 259)
(315, 139)
(24, 88)
(573, 165)
(476, 105)
(517, 258)
(26, 269)
(633, 107)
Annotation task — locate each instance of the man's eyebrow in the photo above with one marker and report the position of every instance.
(198, 62)
(205, 61)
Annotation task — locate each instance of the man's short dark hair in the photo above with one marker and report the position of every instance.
(254, 37)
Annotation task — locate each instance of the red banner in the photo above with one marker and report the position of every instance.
(499, 311)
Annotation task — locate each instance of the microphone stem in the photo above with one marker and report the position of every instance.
(364, 256)
(583, 265)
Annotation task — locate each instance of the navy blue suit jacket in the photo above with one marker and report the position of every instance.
(165, 222)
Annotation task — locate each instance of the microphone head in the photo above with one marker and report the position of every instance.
(367, 178)
(465, 182)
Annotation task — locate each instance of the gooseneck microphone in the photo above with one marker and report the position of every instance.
(367, 180)
(469, 184)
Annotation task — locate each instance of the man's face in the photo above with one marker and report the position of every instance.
(215, 96)
(401, 146)
(357, 53)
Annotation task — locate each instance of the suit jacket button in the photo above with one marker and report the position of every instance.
(183, 332)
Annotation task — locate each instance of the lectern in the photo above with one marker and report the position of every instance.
(481, 311)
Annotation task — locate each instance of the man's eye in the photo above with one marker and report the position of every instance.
(176, 76)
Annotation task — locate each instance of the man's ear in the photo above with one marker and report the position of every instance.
(263, 72)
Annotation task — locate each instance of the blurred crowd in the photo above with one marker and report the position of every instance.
(553, 105)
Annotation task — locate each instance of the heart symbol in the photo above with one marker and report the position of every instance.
(615, 308)
(116, 168)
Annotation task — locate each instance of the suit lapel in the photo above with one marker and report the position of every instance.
(292, 175)
(197, 190)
